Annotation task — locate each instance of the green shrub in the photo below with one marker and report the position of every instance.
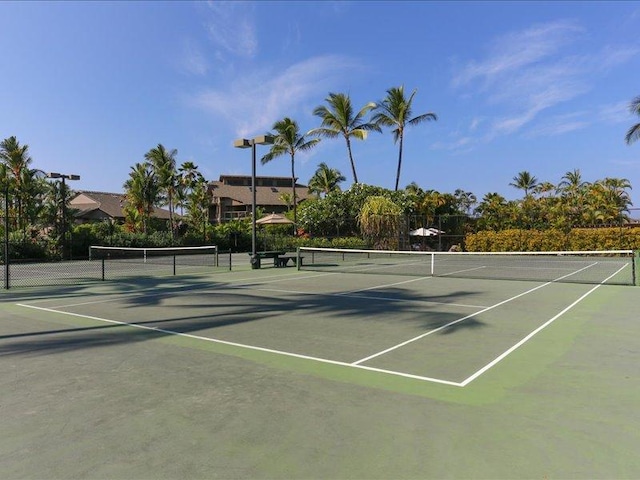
(612, 238)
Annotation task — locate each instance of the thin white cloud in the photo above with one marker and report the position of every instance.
(612, 56)
(254, 102)
(561, 124)
(193, 61)
(516, 50)
(475, 123)
(615, 113)
(231, 27)
(532, 71)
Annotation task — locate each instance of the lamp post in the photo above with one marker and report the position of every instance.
(63, 177)
(244, 143)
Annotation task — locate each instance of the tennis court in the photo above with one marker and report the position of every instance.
(323, 373)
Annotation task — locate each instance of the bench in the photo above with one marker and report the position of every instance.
(270, 254)
(283, 260)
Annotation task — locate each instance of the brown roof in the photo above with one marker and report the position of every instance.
(265, 195)
(103, 204)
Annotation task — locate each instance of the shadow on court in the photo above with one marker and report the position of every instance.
(195, 306)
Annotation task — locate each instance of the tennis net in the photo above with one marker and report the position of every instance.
(205, 256)
(615, 267)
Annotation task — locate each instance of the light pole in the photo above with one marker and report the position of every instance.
(244, 143)
(64, 201)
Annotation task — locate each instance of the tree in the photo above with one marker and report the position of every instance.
(188, 178)
(380, 219)
(142, 191)
(524, 181)
(465, 200)
(325, 180)
(163, 162)
(573, 192)
(16, 158)
(634, 132)
(199, 200)
(287, 140)
(338, 119)
(395, 112)
(493, 211)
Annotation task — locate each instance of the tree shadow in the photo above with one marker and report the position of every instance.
(183, 307)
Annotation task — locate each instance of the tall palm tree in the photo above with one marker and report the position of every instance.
(16, 158)
(163, 162)
(524, 181)
(571, 183)
(339, 119)
(634, 132)
(573, 191)
(465, 200)
(142, 192)
(188, 178)
(395, 112)
(617, 199)
(325, 180)
(288, 140)
(199, 201)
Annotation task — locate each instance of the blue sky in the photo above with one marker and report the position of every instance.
(537, 86)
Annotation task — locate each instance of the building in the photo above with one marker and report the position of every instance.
(99, 206)
(232, 197)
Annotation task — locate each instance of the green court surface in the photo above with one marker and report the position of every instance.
(279, 373)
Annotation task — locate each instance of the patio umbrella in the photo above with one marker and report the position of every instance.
(424, 232)
(274, 219)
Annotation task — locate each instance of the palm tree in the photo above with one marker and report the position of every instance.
(616, 198)
(188, 178)
(287, 140)
(634, 132)
(380, 219)
(464, 200)
(163, 162)
(325, 180)
(571, 183)
(573, 191)
(199, 200)
(16, 158)
(142, 192)
(493, 211)
(395, 112)
(524, 181)
(339, 119)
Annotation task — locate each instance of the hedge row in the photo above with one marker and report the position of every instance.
(615, 238)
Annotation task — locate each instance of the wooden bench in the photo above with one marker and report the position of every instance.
(270, 254)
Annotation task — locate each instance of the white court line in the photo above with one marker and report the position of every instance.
(431, 332)
(241, 345)
(353, 365)
(536, 331)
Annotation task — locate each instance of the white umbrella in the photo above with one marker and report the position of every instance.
(273, 219)
(424, 232)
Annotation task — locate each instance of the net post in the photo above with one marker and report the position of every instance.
(144, 255)
(230, 260)
(298, 258)
(174, 264)
(433, 261)
(217, 260)
(634, 254)
(102, 269)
